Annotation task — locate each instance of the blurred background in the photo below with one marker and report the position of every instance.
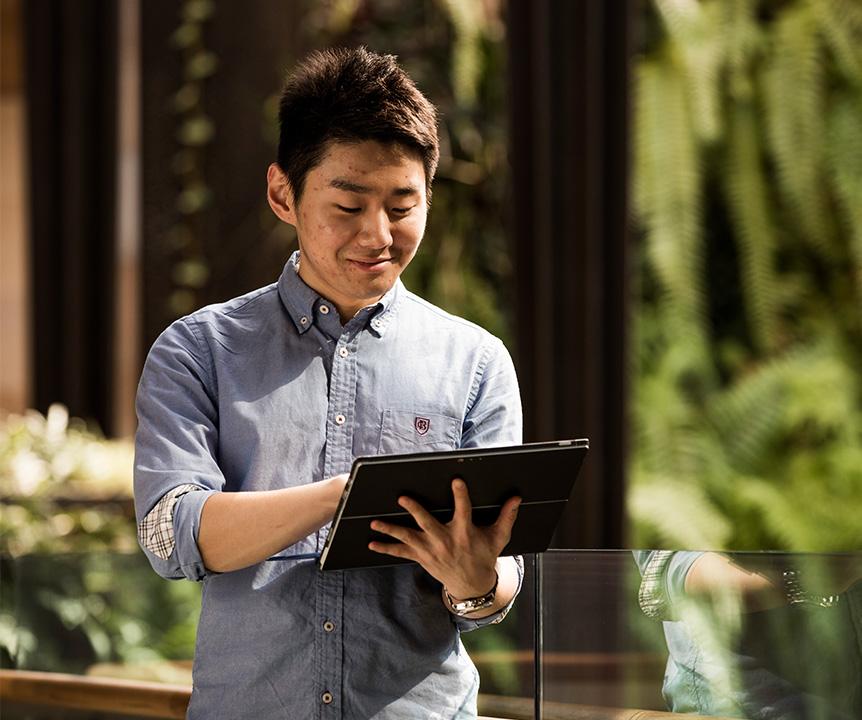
(656, 204)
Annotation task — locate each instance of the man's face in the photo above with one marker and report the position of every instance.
(359, 222)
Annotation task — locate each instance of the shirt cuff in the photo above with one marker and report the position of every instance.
(156, 530)
(172, 546)
(663, 583)
(187, 523)
(467, 624)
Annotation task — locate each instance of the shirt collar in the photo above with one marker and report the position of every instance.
(300, 301)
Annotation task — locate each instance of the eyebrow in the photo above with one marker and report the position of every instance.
(348, 186)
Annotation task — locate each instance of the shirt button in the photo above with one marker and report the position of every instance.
(329, 626)
(343, 352)
(324, 309)
(303, 320)
(326, 697)
(339, 419)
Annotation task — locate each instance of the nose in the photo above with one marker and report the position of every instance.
(376, 231)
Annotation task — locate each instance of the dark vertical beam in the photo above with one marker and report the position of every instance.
(71, 60)
(569, 87)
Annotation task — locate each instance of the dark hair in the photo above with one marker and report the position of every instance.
(351, 95)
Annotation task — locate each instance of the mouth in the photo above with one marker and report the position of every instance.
(375, 265)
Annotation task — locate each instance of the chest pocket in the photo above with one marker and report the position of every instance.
(404, 432)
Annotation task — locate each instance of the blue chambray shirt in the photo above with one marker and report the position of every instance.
(268, 391)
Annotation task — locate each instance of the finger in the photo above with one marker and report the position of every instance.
(403, 534)
(502, 528)
(425, 520)
(463, 506)
(394, 549)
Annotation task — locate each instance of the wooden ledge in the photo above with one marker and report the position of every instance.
(160, 700)
(80, 692)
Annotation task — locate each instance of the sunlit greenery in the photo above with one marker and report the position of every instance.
(99, 613)
(63, 487)
(747, 405)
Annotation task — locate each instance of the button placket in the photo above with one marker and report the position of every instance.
(338, 455)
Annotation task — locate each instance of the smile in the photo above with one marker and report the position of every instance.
(371, 265)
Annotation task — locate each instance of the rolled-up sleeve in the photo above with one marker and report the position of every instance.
(663, 574)
(176, 445)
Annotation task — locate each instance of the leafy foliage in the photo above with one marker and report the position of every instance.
(748, 191)
(63, 487)
(100, 613)
(76, 590)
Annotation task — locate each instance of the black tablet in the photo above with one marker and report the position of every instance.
(542, 474)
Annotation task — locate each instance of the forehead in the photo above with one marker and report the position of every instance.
(369, 163)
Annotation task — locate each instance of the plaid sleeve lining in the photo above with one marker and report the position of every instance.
(156, 531)
(652, 596)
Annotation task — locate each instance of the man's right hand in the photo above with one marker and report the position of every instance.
(239, 529)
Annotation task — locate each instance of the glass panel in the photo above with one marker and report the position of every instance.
(504, 656)
(97, 614)
(749, 635)
(110, 615)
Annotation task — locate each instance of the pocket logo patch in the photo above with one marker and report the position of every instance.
(422, 425)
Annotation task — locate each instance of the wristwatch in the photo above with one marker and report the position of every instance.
(471, 605)
(797, 596)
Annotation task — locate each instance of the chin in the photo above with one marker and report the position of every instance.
(379, 286)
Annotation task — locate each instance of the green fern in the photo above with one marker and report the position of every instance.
(840, 24)
(700, 526)
(748, 202)
(667, 190)
(844, 148)
(793, 86)
(748, 422)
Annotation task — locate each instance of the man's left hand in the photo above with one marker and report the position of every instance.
(459, 554)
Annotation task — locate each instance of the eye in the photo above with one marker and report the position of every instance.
(349, 210)
(402, 210)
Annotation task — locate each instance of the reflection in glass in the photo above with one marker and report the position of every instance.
(750, 635)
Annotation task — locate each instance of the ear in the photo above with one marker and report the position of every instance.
(280, 195)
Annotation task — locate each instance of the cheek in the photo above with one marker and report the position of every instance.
(323, 236)
(338, 229)
(412, 231)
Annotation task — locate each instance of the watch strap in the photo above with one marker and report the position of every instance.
(471, 605)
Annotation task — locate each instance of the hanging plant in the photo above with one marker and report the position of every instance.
(195, 132)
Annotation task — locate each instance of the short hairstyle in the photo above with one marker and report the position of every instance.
(351, 95)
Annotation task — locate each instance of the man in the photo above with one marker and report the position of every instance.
(251, 412)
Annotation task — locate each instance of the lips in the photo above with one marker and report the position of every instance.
(372, 265)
